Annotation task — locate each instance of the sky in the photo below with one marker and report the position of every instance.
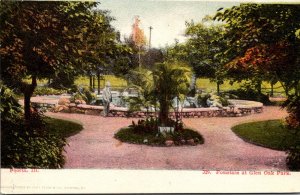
(167, 17)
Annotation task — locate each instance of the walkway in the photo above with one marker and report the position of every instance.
(95, 147)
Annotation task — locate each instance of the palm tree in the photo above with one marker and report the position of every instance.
(170, 80)
(142, 80)
(165, 82)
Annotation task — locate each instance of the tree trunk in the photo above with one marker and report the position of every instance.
(98, 77)
(258, 86)
(91, 82)
(285, 87)
(218, 87)
(272, 90)
(164, 111)
(287, 93)
(28, 91)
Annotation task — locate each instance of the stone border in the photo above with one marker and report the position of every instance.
(236, 109)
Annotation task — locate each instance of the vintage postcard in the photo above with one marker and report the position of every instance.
(150, 96)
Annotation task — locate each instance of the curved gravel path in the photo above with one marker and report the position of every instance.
(95, 147)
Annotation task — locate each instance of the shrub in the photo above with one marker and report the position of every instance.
(129, 135)
(202, 99)
(48, 91)
(29, 145)
(293, 107)
(248, 94)
(293, 159)
(185, 134)
(293, 123)
(146, 132)
(150, 125)
(9, 107)
(90, 96)
(83, 94)
(26, 144)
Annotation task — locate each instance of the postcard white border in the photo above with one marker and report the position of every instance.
(148, 181)
(145, 181)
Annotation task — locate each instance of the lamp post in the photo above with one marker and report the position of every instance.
(150, 28)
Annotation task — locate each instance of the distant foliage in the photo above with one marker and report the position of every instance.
(248, 93)
(138, 36)
(63, 81)
(48, 91)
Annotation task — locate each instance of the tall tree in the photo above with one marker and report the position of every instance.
(103, 48)
(42, 39)
(262, 38)
(170, 80)
(142, 80)
(201, 50)
(138, 37)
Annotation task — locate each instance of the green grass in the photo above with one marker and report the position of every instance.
(130, 136)
(201, 83)
(116, 82)
(271, 134)
(204, 83)
(62, 128)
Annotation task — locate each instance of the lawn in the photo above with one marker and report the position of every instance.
(62, 128)
(271, 134)
(201, 83)
(116, 82)
(206, 84)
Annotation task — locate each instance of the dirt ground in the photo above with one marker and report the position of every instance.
(95, 147)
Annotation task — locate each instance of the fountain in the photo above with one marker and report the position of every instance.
(189, 107)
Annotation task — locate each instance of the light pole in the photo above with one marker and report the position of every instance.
(150, 28)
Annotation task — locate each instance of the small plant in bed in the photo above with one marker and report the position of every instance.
(146, 132)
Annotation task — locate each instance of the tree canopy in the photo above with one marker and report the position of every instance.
(262, 38)
(42, 39)
(201, 50)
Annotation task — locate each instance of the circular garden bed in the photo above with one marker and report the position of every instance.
(146, 132)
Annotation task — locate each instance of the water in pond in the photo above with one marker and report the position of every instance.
(119, 99)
